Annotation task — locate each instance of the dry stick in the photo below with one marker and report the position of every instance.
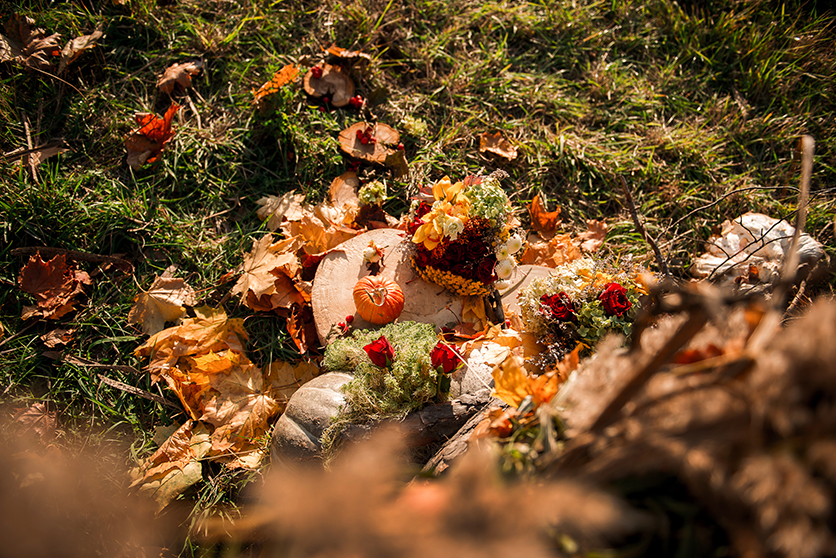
(685, 333)
(30, 160)
(136, 391)
(632, 207)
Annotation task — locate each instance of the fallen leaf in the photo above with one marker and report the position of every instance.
(553, 253)
(175, 466)
(286, 75)
(334, 83)
(145, 144)
(285, 378)
(288, 207)
(593, 239)
(241, 409)
(570, 362)
(210, 330)
(73, 49)
(498, 145)
(31, 48)
(512, 384)
(473, 311)
(542, 221)
(57, 337)
(257, 276)
(348, 56)
(302, 328)
(343, 191)
(162, 303)
(178, 75)
(690, 356)
(53, 283)
(318, 236)
(39, 419)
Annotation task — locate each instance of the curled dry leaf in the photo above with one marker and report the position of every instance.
(288, 207)
(593, 239)
(31, 48)
(344, 203)
(513, 384)
(348, 57)
(41, 154)
(178, 75)
(73, 49)
(53, 283)
(145, 144)
(334, 83)
(163, 302)
(498, 145)
(385, 144)
(59, 336)
(542, 221)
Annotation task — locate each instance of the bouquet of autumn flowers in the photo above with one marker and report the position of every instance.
(462, 241)
(580, 302)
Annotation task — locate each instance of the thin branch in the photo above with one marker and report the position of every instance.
(726, 195)
(663, 266)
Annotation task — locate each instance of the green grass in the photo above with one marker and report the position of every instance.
(687, 102)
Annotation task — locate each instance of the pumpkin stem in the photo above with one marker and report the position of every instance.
(377, 295)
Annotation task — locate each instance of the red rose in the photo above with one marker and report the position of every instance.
(614, 300)
(444, 357)
(422, 258)
(484, 272)
(558, 307)
(476, 249)
(380, 352)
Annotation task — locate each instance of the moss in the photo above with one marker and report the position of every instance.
(377, 393)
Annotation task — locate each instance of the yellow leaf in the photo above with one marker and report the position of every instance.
(285, 378)
(258, 267)
(162, 303)
(511, 382)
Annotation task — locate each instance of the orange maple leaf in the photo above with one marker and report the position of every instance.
(544, 222)
(53, 283)
(513, 385)
(145, 144)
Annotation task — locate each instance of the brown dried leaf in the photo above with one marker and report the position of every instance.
(473, 311)
(593, 239)
(162, 303)
(302, 328)
(498, 145)
(259, 264)
(31, 48)
(57, 337)
(343, 191)
(334, 84)
(73, 49)
(289, 207)
(54, 284)
(178, 75)
(348, 56)
(39, 419)
(542, 221)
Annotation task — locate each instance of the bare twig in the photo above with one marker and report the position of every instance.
(72, 254)
(30, 145)
(663, 266)
(136, 391)
(724, 196)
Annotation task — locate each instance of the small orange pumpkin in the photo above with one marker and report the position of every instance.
(378, 300)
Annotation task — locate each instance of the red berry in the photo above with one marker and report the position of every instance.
(316, 72)
(349, 319)
(364, 140)
(341, 324)
(359, 134)
(321, 109)
(400, 146)
(326, 100)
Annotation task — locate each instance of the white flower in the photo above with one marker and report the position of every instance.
(371, 255)
(502, 284)
(504, 268)
(452, 227)
(502, 252)
(514, 244)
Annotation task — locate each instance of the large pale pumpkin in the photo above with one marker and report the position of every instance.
(378, 300)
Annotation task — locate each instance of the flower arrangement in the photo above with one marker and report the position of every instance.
(372, 193)
(580, 302)
(462, 241)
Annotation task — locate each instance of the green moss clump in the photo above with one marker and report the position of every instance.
(377, 393)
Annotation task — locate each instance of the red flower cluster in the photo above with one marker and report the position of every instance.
(558, 307)
(614, 300)
(444, 358)
(380, 352)
(356, 101)
(468, 256)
